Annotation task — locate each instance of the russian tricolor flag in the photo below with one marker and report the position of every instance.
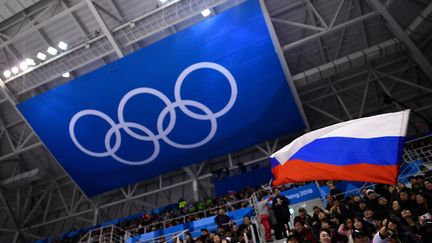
(366, 149)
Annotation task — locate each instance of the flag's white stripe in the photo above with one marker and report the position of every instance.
(386, 125)
(390, 124)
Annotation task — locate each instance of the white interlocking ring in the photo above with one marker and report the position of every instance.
(146, 134)
(195, 104)
(209, 65)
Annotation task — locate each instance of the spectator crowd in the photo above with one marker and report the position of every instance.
(387, 213)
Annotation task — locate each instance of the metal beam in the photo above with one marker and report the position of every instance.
(324, 113)
(105, 29)
(396, 29)
(426, 89)
(8, 208)
(329, 31)
(299, 25)
(337, 13)
(54, 18)
(321, 20)
(283, 61)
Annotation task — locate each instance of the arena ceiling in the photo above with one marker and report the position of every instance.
(347, 59)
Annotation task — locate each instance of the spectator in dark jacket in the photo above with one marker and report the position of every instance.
(222, 219)
(282, 214)
(336, 193)
(305, 235)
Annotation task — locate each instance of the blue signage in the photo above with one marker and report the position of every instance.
(213, 88)
(302, 194)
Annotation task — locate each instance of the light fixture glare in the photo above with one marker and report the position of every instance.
(52, 51)
(7, 73)
(206, 12)
(41, 56)
(62, 45)
(30, 62)
(23, 65)
(15, 70)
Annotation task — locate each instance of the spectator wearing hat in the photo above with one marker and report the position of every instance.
(371, 199)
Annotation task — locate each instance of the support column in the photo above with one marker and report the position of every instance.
(195, 189)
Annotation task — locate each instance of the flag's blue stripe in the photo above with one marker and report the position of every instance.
(274, 162)
(348, 151)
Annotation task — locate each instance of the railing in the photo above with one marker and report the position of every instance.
(253, 200)
(173, 237)
(422, 153)
(106, 234)
(205, 213)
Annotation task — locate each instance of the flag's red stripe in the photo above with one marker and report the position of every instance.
(299, 171)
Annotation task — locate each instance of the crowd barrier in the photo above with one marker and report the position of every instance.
(193, 227)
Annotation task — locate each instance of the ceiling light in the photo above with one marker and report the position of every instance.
(23, 65)
(206, 12)
(41, 56)
(52, 51)
(30, 62)
(62, 45)
(66, 75)
(14, 70)
(7, 73)
(163, 1)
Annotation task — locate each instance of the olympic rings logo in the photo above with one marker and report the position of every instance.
(162, 133)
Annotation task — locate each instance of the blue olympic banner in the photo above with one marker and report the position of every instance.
(302, 194)
(213, 88)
